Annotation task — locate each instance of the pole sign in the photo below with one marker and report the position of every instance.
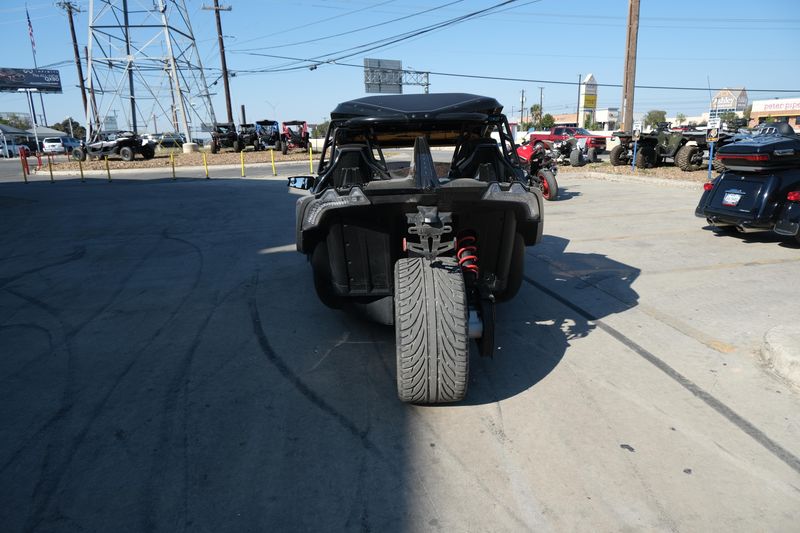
(637, 132)
(712, 133)
(43, 80)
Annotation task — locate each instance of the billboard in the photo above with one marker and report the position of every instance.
(383, 76)
(43, 80)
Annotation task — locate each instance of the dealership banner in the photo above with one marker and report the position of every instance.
(43, 80)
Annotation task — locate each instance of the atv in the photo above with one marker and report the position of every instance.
(122, 144)
(248, 136)
(654, 148)
(426, 245)
(269, 136)
(224, 135)
(295, 135)
(542, 167)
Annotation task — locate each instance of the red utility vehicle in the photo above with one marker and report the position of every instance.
(560, 133)
(294, 135)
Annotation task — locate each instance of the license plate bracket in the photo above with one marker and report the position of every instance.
(731, 199)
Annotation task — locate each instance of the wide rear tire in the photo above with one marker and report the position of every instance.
(126, 153)
(591, 155)
(284, 147)
(688, 158)
(148, 151)
(576, 158)
(645, 157)
(618, 156)
(549, 185)
(79, 154)
(432, 330)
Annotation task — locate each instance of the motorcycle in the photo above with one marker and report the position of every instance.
(542, 168)
(760, 188)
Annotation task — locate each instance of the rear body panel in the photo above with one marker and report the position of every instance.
(747, 199)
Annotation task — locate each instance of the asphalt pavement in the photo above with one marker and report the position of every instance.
(165, 365)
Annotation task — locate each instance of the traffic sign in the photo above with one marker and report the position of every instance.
(637, 130)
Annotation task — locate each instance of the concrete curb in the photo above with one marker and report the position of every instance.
(165, 168)
(681, 184)
(781, 352)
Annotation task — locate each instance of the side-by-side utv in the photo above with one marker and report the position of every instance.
(428, 241)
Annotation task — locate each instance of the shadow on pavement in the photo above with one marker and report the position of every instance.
(167, 365)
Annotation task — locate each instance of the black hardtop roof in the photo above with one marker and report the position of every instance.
(416, 106)
(295, 122)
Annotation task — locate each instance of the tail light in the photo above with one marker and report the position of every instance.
(708, 186)
(743, 157)
(793, 196)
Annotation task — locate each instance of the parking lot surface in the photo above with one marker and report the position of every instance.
(166, 366)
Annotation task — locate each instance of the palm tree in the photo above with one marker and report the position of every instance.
(681, 118)
(536, 115)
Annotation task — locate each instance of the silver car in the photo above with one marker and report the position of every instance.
(59, 145)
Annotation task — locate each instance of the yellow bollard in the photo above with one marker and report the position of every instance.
(80, 166)
(310, 159)
(172, 162)
(205, 164)
(108, 170)
(50, 167)
(242, 155)
(272, 157)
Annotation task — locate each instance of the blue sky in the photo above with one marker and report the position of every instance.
(681, 43)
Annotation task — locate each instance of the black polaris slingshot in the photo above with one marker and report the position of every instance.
(426, 243)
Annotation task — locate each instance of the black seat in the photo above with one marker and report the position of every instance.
(352, 166)
(485, 161)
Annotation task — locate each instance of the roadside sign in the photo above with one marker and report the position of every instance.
(712, 133)
(637, 130)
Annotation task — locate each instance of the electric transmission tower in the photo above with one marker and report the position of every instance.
(144, 67)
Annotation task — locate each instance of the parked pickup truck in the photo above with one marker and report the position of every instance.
(559, 133)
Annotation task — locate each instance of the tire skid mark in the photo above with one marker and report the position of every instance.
(76, 254)
(50, 477)
(178, 392)
(45, 353)
(361, 435)
(721, 408)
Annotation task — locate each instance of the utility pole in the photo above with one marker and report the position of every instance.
(70, 8)
(578, 109)
(216, 9)
(521, 107)
(541, 100)
(629, 78)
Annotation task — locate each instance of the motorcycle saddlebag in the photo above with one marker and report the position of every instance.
(742, 199)
(762, 152)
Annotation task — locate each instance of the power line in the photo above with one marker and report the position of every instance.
(323, 20)
(382, 43)
(507, 78)
(349, 32)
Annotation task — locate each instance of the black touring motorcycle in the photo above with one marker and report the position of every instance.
(760, 188)
(427, 246)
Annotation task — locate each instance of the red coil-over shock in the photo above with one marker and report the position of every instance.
(467, 252)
